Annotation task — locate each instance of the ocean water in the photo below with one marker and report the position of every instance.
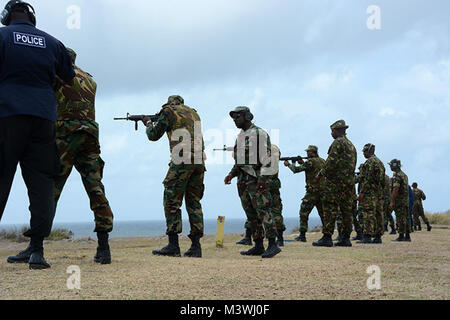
(125, 229)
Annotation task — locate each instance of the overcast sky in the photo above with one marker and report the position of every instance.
(299, 65)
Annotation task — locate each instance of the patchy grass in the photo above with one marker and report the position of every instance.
(15, 235)
(416, 270)
(439, 218)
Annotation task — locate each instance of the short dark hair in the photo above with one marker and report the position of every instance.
(415, 185)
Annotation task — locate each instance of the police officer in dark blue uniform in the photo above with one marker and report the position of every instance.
(30, 60)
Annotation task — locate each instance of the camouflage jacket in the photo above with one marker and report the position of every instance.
(419, 195)
(76, 105)
(400, 180)
(387, 188)
(184, 131)
(339, 168)
(311, 168)
(372, 178)
(250, 158)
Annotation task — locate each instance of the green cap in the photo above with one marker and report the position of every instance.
(368, 147)
(340, 124)
(312, 148)
(72, 54)
(175, 100)
(241, 109)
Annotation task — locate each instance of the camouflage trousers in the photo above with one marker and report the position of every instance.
(82, 151)
(337, 201)
(184, 181)
(310, 201)
(403, 218)
(357, 217)
(277, 211)
(372, 206)
(388, 218)
(418, 213)
(257, 205)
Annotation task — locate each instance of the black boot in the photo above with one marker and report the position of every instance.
(386, 228)
(377, 240)
(365, 239)
(324, 242)
(407, 238)
(301, 237)
(393, 231)
(195, 251)
(359, 236)
(272, 250)
(257, 250)
(345, 242)
(280, 241)
(429, 227)
(172, 249)
(21, 257)
(37, 261)
(247, 241)
(400, 238)
(415, 228)
(103, 255)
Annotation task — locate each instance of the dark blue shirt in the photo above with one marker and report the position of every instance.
(29, 61)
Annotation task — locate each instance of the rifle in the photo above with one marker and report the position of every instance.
(226, 149)
(294, 159)
(136, 119)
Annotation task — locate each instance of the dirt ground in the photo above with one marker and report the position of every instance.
(416, 270)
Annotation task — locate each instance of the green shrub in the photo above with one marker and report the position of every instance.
(15, 235)
(439, 218)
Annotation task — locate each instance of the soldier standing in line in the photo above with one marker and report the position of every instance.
(313, 196)
(77, 138)
(372, 185)
(254, 169)
(388, 219)
(400, 200)
(418, 211)
(338, 174)
(186, 173)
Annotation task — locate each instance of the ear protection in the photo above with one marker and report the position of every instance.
(248, 116)
(5, 16)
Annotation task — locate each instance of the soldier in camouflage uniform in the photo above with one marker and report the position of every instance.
(313, 196)
(357, 210)
(338, 176)
(77, 138)
(277, 207)
(388, 219)
(400, 200)
(372, 184)
(417, 209)
(186, 173)
(254, 168)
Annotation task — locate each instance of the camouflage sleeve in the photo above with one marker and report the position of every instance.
(300, 168)
(396, 182)
(424, 197)
(331, 164)
(164, 123)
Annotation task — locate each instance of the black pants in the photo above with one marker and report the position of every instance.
(30, 142)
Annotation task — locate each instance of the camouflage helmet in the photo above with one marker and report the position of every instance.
(248, 114)
(340, 124)
(313, 149)
(395, 163)
(72, 54)
(175, 100)
(369, 147)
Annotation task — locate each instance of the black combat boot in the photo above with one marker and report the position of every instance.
(359, 236)
(195, 251)
(257, 250)
(400, 238)
(103, 255)
(429, 227)
(386, 228)
(272, 250)
(247, 241)
(21, 257)
(393, 231)
(324, 242)
(280, 238)
(172, 249)
(415, 228)
(345, 242)
(407, 238)
(377, 240)
(301, 237)
(37, 261)
(365, 239)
